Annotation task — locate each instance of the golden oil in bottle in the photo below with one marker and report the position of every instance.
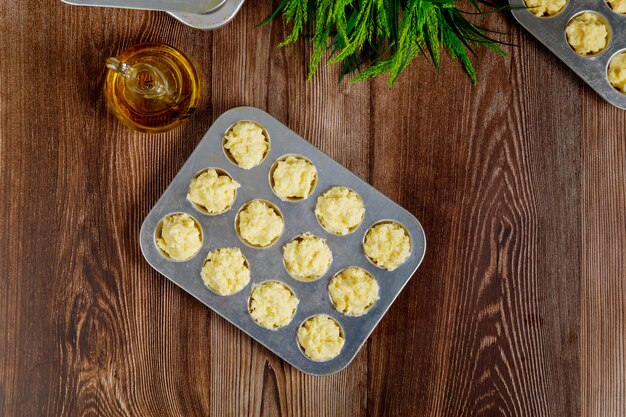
(151, 87)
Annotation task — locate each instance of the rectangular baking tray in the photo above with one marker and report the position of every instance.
(188, 6)
(266, 264)
(551, 32)
(213, 20)
(217, 14)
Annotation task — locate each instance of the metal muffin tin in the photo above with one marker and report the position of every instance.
(198, 14)
(267, 264)
(592, 69)
(189, 6)
(213, 20)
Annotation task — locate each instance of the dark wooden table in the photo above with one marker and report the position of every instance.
(519, 308)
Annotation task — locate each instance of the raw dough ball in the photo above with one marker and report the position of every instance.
(387, 245)
(543, 8)
(617, 72)
(294, 177)
(587, 33)
(340, 210)
(259, 224)
(272, 305)
(225, 271)
(307, 257)
(321, 338)
(618, 6)
(353, 291)
(214, 192)
(247, 144)
(181, 237)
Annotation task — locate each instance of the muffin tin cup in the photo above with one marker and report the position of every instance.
(266, 264)
(593, 68)
(299, 237)
(157, 235)
(255, 286)
(202, 209)
(230, 156)
(245, 262)
(301, 349)
(383, 221)
(271, 205)
(270, 178)
(349, 314)
(352, 229)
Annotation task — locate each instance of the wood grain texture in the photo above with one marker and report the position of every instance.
(603, 280)
(491, 333)
(519, 308)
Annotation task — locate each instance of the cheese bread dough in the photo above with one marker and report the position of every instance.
(272, 305)
(247, 144)
(213, 192)
(587, 33)
(618, 6)
(293, 178)
(617, 72)
(387, 245)
(180, 237)
(543, 8)
(353, 291)
(340, 210)
(259, 224)
(307, 257)
(321, 338)
(225, 271)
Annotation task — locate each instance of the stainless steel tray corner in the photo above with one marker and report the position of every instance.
(551, 32)
(199, 14)
(189, 6)
(266, 264)
(209, 21)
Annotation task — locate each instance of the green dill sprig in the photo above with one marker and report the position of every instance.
(382, 37)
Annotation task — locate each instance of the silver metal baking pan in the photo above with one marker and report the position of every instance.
(267, 264)
(188, 6)
(199, 14)
(213, 20)
(551, 32)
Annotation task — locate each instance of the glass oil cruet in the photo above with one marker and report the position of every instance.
(151, 87)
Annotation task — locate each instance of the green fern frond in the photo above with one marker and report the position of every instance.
(382, 37)
(294, 11)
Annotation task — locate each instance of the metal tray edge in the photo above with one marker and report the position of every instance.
(213, 20)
